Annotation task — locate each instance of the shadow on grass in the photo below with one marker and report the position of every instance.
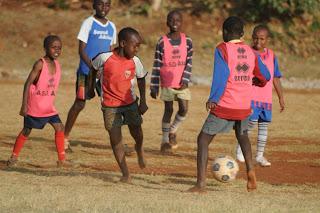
(89, 144)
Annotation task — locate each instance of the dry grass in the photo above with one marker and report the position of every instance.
(37, 186)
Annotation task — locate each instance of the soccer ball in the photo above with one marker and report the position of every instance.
(225, 168)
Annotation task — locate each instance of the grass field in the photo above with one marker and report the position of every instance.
(291, 184)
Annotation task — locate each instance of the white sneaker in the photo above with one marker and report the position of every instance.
(239, 154)
(263, 161)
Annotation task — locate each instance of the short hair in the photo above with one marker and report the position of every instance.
(233, 25)
(124, 33)
(172, 12)
(95, 1)
(261, 27)
(49, 39)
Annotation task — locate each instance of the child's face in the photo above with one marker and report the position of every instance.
(260, 39)
(131, 46)
(53, 50)
(175, 22)
(102, 7)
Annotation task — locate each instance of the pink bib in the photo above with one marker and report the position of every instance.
(241, 63)
(264, 94)
(174, 61)
(42, 94)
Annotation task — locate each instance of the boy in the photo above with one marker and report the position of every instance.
(39, 93)
(172, 70)
(236, 68)
(119, 103)
(96, 35)
(262, 96)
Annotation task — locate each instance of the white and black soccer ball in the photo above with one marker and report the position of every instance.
(225, 168)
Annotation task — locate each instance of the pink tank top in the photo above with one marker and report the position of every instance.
(174, 61)
(42, 94)
(264, 94)
(241, 63)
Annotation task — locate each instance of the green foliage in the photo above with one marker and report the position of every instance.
(59, 4)
(263, 10)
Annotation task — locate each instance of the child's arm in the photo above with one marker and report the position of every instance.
(186, 76)
(33, 75)
(83, 54)
(220, 77)
(261, 73)
(155, 75)
(142, 90)
(278, 88)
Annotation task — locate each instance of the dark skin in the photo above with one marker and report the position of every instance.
(102, 8)
(260, 40)
(53, 51)
(205, 139)
(128, 49)
(174, 22)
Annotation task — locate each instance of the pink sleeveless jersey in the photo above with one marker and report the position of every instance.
(264, 94)
(174, 61)
(238, 90)
(42, 94)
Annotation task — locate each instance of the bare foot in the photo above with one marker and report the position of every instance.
(197, 189)
(140, 154)
(125, 179)
(252, 181)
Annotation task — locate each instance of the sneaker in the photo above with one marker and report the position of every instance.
(173, 140)
(67, 147)
(12, 161)
(65, 164)
(239, 154)
(165, 148)
(263, 161)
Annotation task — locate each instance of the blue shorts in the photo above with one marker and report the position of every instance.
(260, 114)
(40, 122)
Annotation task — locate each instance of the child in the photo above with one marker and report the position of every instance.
(96, 35)
(38, 100)
(172, 70)
(236, 68)
(119, 103)
(262, 96)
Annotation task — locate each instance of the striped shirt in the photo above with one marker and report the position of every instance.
(158, 62)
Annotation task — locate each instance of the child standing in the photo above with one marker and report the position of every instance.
(262, 96)
(172, 71)
(119, 103)
(236, 68)
(96, 35)
(39, 92)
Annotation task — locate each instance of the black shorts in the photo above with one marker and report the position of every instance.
(40, 122)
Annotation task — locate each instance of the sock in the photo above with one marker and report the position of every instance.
(20, 140)
(176, 123)
(165, 132)
(262, 138)
(59, 140)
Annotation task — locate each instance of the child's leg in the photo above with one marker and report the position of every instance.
(168, 110)
(20, 140)
(118, 151)
(243, 140)
(59, 140)
(137, 134)
(179, 118)
(203, 142)
(261, 143)
(251, 126)
(74, 111)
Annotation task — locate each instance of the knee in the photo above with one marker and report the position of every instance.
(79, 105)
(59, 127)
(26, 131)
(183, 111)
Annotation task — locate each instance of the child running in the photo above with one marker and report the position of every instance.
(236, 68)
(262, 96)
(120, 105)
(172, 71)
(96, 35)
(39, 93)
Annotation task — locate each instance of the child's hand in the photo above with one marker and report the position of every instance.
(23, 110)
(183, 86)
(143, 107)
(154, 94)
(210, 105)
(282, 104)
